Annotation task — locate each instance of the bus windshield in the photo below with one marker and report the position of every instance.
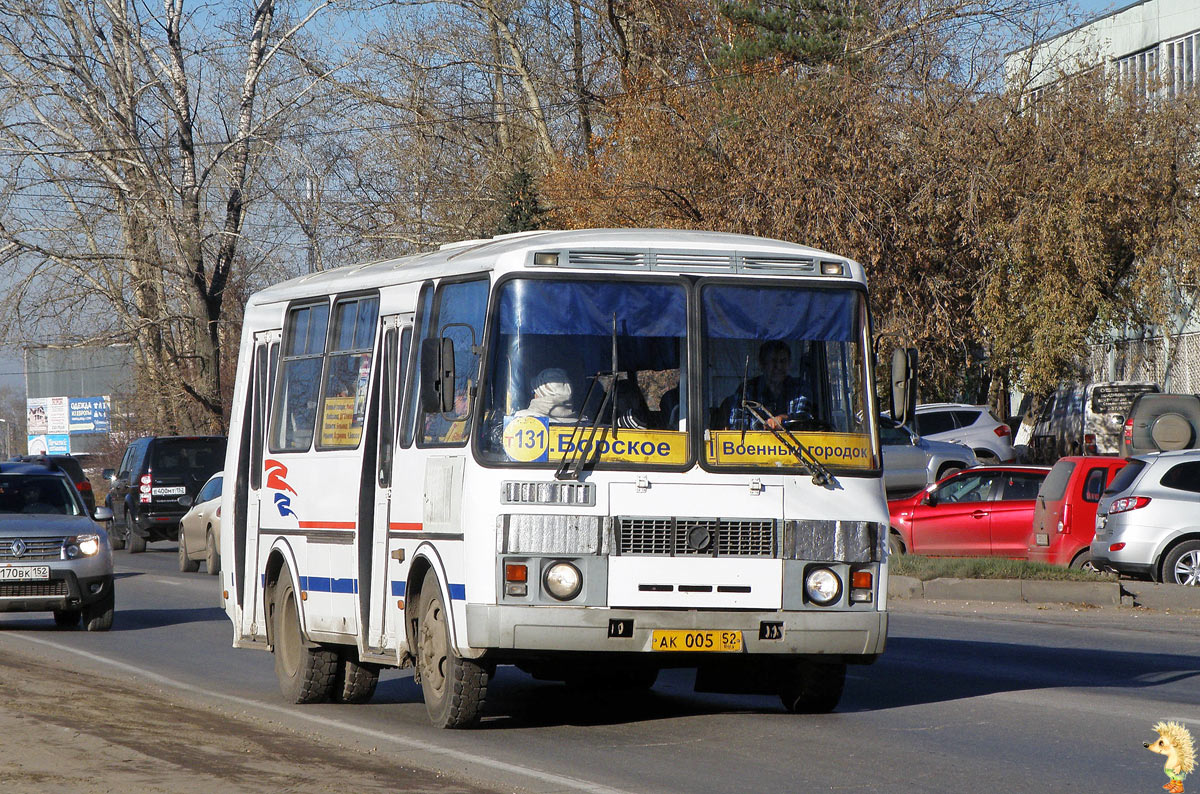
(587, 367)
(599, 369)
(784, 362)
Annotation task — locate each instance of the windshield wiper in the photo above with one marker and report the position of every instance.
(572, 463)
(820, 475)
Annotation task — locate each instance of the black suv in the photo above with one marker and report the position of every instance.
(72, 468)
(154, 473)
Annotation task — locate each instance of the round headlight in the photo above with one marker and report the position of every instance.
(563, 581)
(822, 586)
(89, 544)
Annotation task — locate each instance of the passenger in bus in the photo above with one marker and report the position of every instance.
(631, 409)
(784, 397)
(551, 396)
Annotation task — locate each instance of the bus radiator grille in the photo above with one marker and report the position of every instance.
(680, 537)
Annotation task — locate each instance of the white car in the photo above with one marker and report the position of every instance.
(911, 462)
(973, 425)
(200, 529)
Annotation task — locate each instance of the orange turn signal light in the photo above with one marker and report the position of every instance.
(516, 572)
(861, 580)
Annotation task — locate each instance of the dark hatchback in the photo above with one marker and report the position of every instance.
(154, 473)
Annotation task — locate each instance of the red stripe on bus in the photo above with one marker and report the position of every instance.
(328, 525)
(406, 527)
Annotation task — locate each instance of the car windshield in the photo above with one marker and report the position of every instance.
(33, 494)
(783, 358)
(587, 366)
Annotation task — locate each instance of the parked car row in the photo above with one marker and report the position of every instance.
(1139, 517)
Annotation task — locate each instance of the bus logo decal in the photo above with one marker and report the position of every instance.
(283, 503)
(276, 478)
(276, 472)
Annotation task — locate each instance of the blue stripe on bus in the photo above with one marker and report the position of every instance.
(324, 584)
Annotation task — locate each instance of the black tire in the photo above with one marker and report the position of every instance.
(305, 671)
(66, 618)
(212, 555)
(356, 681)
(1083, 562)
(895, 545)
(1182, 564)
(135, 542)
(98, 615)
(454, 688)
(186, 563)
(948, 469)
(813, 688)
(116, 539)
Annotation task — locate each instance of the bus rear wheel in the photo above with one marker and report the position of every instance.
(454, 688)
(355, 681)
(306, 672)
(813, 687)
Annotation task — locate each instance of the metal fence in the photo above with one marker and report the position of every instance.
(1172, 362)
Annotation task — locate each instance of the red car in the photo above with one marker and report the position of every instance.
(1065, 519)
(986, 511)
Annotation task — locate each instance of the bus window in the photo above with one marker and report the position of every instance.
(783, 358)
(299, 378)
(458, 311)
(552, 348)
(348, 372)
(413, 378)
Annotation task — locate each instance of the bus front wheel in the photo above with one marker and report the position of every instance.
(306, 673)
(453, 687)
(813, 687)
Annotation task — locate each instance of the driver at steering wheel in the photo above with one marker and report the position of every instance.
(781, 395)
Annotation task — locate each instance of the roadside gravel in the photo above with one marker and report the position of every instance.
(73, 732)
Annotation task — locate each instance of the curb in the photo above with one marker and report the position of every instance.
(1100, 594)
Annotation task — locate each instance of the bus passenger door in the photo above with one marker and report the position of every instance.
(380, 623)
(266, 357)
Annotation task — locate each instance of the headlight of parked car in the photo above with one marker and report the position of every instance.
(82, 546)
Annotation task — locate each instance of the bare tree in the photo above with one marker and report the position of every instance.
(133, 136)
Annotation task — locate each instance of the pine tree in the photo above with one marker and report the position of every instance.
(522, 210)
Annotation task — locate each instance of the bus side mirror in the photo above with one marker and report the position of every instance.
(437, 375)
(904, 384)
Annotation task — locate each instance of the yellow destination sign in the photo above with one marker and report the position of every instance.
(762, 448)
(533, 439)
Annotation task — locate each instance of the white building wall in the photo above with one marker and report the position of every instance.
(1148, 25)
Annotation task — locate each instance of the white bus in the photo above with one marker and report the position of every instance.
(572, 452)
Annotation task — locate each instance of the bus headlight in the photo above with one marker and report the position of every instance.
(822, 586)
(563, 581)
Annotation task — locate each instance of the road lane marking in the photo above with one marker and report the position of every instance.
(559, 781)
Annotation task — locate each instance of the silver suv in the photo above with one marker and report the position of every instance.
(1148, 522)
(973, 425)
(911, 462)
(54, 557)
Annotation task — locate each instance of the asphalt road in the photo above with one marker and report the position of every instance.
(968, 697)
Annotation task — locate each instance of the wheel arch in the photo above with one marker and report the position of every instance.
(425, 560)
(281, 557)
(1171, 545)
